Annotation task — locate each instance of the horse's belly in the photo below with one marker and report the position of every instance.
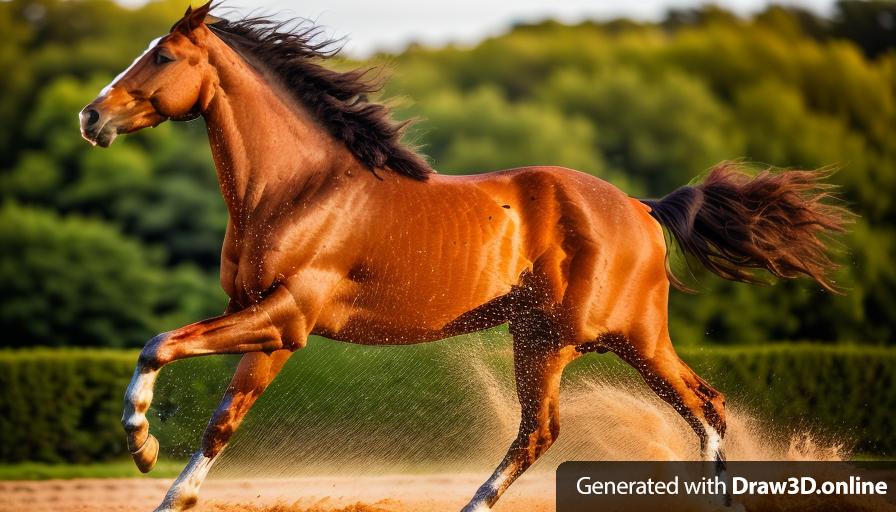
(412, 282)
(413, 312)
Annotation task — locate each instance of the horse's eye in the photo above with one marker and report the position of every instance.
(163, 57)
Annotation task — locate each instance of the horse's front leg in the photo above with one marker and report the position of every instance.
(275, 323)
(256, 370)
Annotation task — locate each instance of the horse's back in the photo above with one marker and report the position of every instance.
(564, 207)
(550, 196)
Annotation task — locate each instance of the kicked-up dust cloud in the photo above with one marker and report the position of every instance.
(451, 407)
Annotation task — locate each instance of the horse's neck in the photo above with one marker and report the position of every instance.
(264, 144)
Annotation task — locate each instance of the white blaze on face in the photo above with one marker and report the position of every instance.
(115, 80)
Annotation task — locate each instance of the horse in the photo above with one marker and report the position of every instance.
(337, 228)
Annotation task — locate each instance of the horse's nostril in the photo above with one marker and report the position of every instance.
(92, 117)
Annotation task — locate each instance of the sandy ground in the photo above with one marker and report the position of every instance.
(419, 493)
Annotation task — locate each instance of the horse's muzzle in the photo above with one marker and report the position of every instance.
(95, 127)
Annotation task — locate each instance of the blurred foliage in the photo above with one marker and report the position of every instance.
(334, 391)
(646, 106)
(793, 382)
(84, 389)
(75, 269)
(84, 282)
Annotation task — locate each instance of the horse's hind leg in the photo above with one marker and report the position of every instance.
(699, 404)
(538, 368)
(255, 371)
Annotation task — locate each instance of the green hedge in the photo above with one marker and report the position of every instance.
(847, 390)
(64, 405)
(61, 405)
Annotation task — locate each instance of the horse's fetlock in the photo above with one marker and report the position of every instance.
(133, 422)
(211, 447)
(188, 500)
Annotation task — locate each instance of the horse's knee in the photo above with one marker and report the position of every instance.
(154, 354)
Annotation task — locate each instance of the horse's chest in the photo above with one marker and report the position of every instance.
(263, 258)
(251, 272)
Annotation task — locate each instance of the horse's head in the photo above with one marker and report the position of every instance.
(171, 80)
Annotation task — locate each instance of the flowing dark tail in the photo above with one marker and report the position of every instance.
(735, 222)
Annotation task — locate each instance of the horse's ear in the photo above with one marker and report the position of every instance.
(201, 12)
(193, 18)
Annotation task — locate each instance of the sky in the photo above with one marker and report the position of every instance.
(371, 25)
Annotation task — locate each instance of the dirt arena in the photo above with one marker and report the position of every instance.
(398, 493)
(419, 493)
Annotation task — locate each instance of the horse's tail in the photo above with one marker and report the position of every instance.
(734, 222)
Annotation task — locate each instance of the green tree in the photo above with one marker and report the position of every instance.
(660, 131)
(72, 282)
(481, 131)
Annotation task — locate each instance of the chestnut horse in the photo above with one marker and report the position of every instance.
(337, 229)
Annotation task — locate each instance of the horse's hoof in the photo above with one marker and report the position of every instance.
(146, 456)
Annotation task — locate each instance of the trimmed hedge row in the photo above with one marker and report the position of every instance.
(847, 390)
(60, 405)
(65, 405)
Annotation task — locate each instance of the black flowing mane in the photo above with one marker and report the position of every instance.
(291, 50)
